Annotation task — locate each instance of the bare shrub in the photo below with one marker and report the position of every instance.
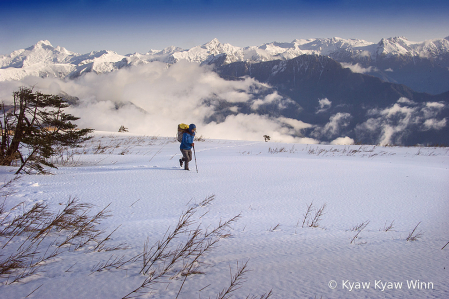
(180, 254)
(165, 261)
(38, 235)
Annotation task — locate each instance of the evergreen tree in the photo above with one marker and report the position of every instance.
(33, 127)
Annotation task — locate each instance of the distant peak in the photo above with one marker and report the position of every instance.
(43, 43)
(212, 43)
(169, 50)
(395, 39)
(215, 40)
(62, 50)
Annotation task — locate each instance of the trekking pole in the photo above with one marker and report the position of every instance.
(194, 154)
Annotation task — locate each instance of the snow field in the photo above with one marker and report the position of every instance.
(269, 184)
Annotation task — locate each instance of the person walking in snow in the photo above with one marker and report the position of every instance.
(186, 146)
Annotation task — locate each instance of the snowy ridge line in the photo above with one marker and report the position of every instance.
(44, 60)
(109, 149)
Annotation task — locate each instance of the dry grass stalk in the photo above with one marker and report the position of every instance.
(306, 215)
(207, 201)
(114, 262)
(359, 228)
(277, 150)
(315, 220)
(413, 235)
(351, 150)
(36, 235)
(34, 291)
(272, 229)
(236, 283)
(445, 245)
(165, 261)
(389, 227)
(264, 296)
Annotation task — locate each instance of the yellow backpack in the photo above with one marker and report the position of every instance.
(182, 128)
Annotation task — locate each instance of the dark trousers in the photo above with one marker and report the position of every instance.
(186, 157)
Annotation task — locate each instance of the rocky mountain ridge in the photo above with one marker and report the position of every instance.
(339, 102)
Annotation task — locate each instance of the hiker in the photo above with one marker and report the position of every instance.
(186, 146)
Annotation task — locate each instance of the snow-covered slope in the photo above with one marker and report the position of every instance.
(270, 185)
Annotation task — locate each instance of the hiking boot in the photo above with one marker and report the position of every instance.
(180, 162)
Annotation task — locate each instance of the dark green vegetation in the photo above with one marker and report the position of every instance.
(33, 127)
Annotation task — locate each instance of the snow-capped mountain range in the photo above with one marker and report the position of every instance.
(382, 59)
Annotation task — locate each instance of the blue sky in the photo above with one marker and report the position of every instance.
(140, 25)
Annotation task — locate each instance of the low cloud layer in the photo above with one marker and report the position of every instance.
(152, 99)
(357, 68)
(397, 121)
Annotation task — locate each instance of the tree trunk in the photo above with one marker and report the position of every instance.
(18, 130)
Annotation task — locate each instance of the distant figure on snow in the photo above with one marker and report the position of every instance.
(186, 146)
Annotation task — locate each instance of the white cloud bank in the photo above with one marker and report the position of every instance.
(154, 98)
(396, 121)
(357, 68)
(343, 141)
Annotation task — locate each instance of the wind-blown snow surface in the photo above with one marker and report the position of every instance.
(269, 184)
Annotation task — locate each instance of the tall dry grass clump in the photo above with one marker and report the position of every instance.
(37, 235)
(32, 237)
